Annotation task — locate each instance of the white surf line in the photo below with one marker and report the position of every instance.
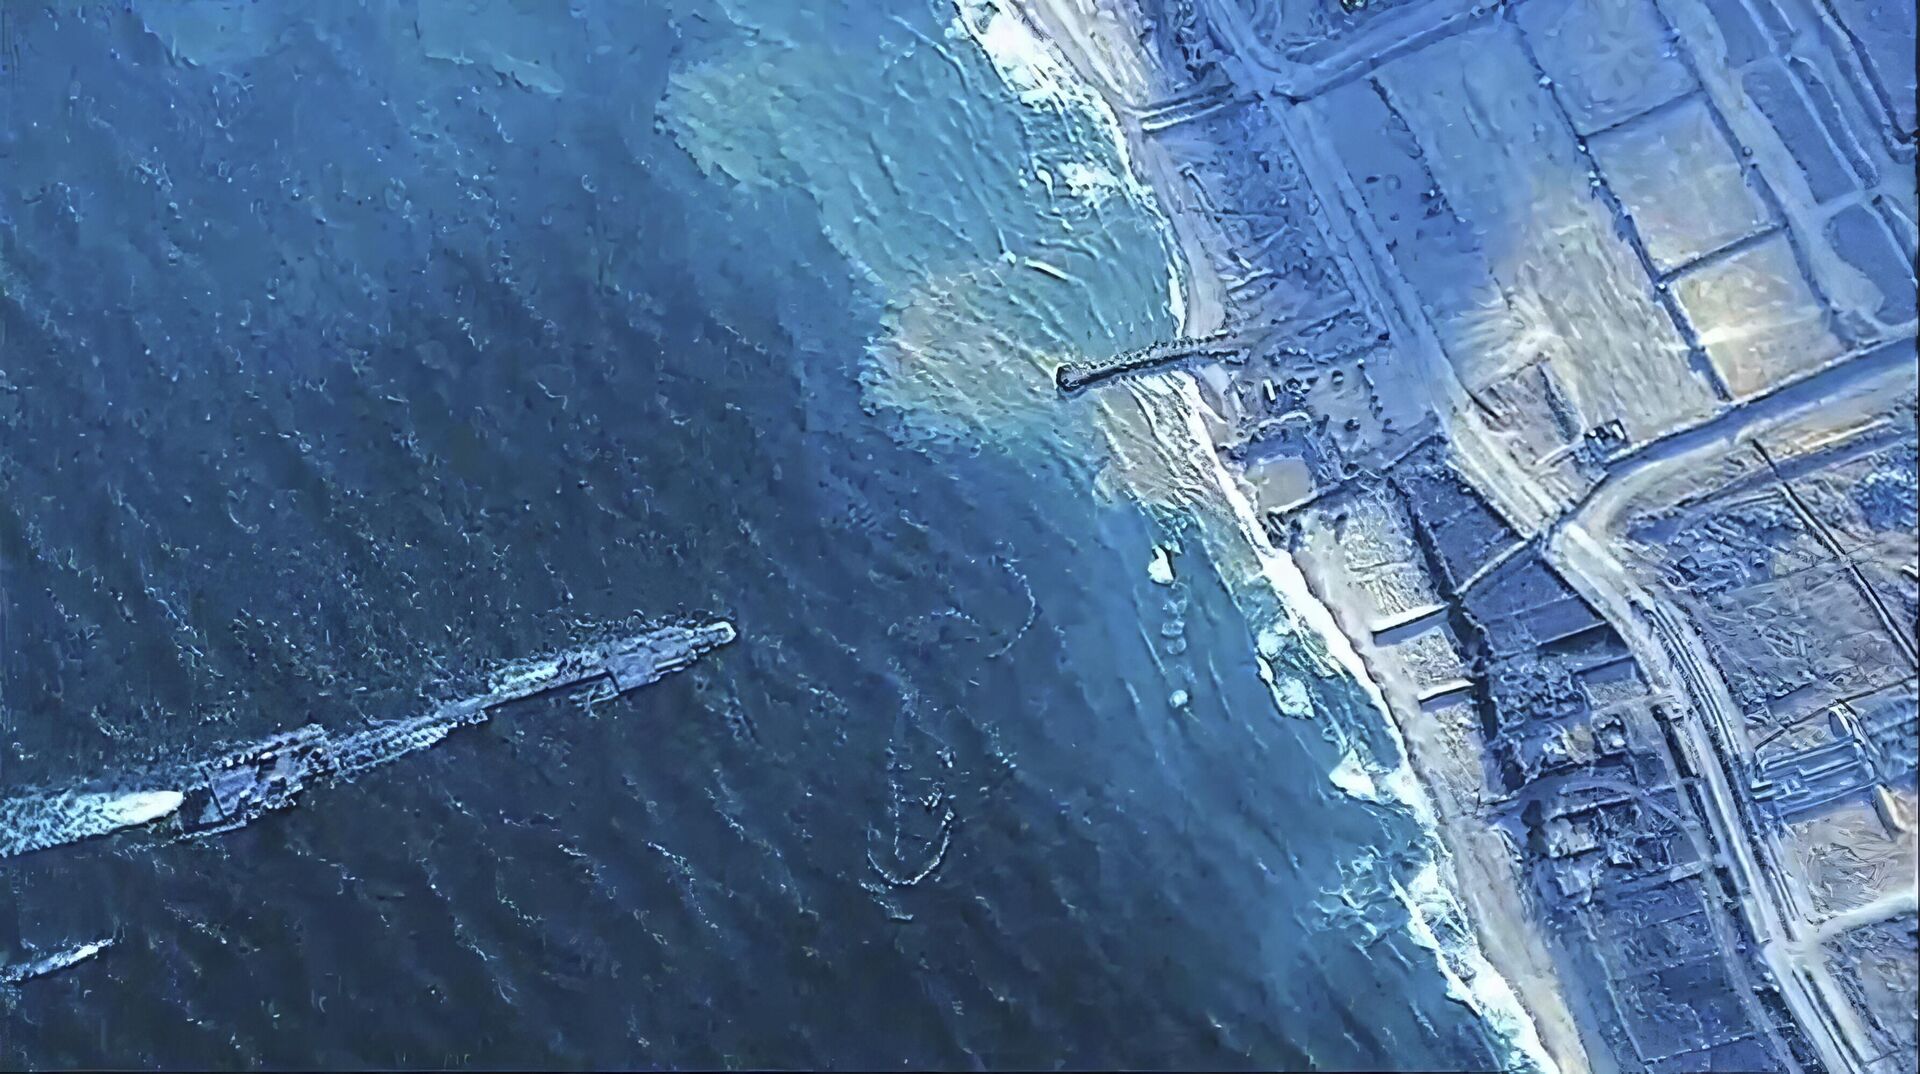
(1429, 900)
(1030, 65)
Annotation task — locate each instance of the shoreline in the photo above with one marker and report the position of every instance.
(1471, 868)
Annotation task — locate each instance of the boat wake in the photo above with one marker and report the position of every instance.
(245, 784)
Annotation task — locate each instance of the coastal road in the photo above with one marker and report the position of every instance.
(1677, 655)
(1577, 545)
(1868, 373)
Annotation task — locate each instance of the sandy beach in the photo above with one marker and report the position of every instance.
(1100, 42)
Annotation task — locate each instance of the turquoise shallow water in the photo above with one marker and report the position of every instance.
(347, 355)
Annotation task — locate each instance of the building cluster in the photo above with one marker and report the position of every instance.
(1569, 346)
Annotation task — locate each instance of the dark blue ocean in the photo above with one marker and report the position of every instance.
(348, 350)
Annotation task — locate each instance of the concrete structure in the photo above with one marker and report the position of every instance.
(1594, 423)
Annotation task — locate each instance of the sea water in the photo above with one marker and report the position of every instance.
(349, 352)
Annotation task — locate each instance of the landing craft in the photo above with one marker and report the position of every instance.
(240, 787)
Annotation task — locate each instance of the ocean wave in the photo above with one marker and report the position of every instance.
(1293, 629)
(1284, 611)
(1434, 908)
(981, 278)
(968, 340)
(30, 822)
(1438, 921)
(1040, 77)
